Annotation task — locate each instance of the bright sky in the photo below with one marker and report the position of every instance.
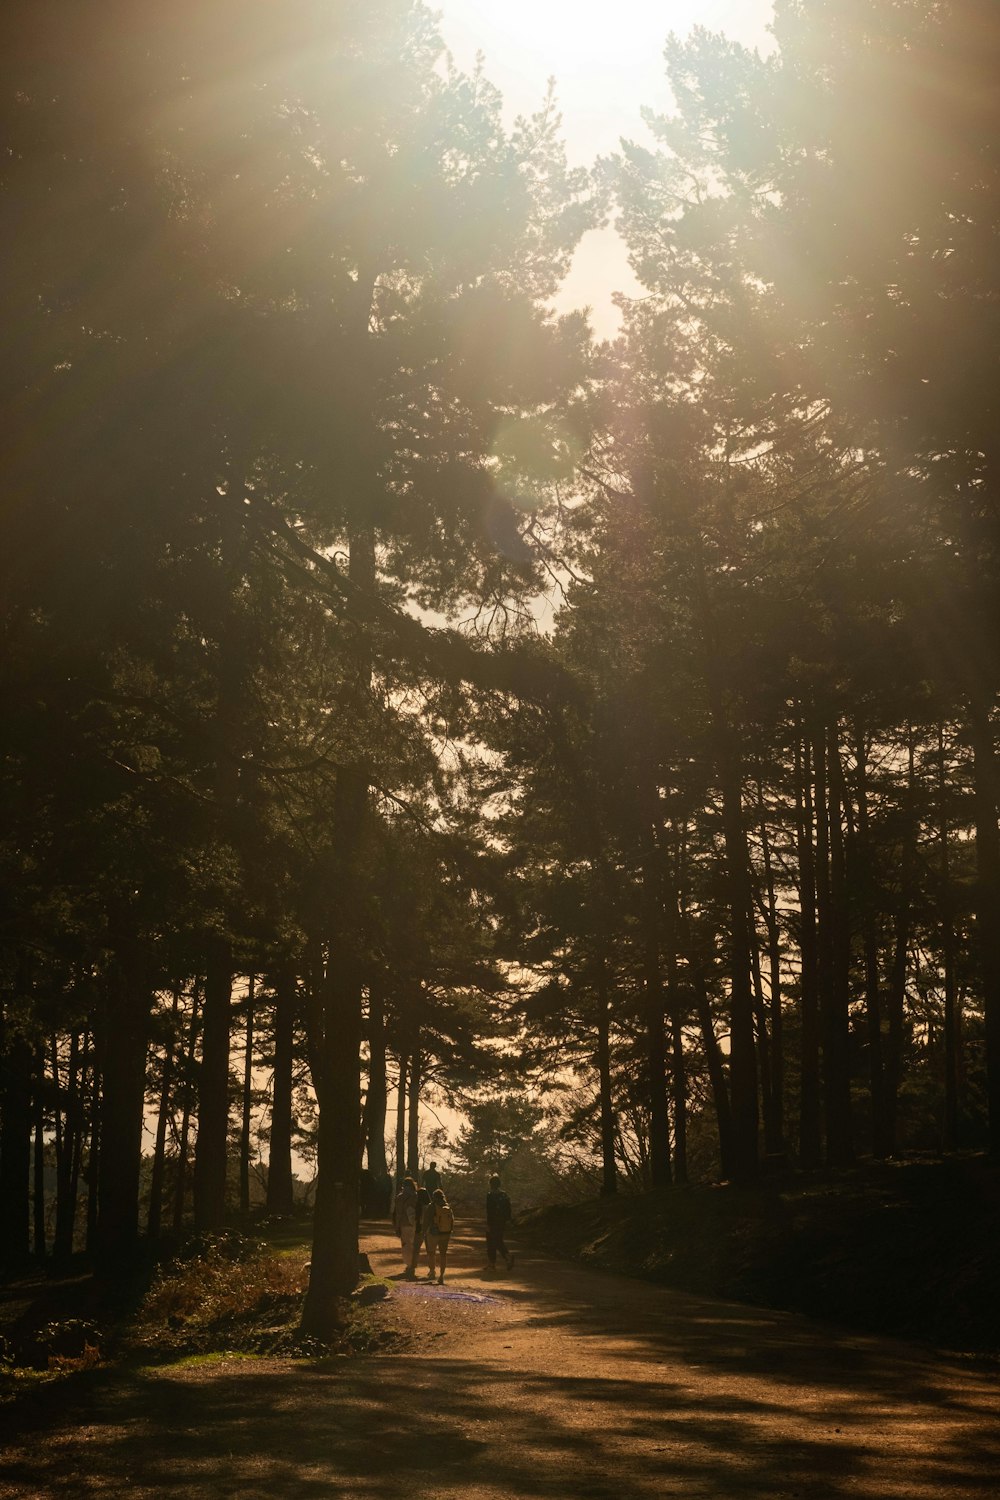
(607, 60)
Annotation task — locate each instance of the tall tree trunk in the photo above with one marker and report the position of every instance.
(15, 1143)
(130, 996)
(401, 1117)
(211, 1145)
(99, 1029)
(377, 1090)
(336, 1070)
(38, 1174)
(739, 892)
(810, 1135)
(836, 1032)
(986, 792)
(835, 954)
(162, 1117)
(678, 1093)
(180, 1186)
(742, 1056)
(247, 1103)
(67, 1150)
(710, 1042)
(672, 856)
(609, 1174)
(413, 1122)
(716, 1071)
(777, 1059)
(334, 1267)
(952, 1038)
(279, 1162)
(59, 1129)
(654, 1004)
(80, 1123)
(231, 667)
(864, 884)
(364, 1138)
(824, 920)
(771, 1144)
(896, 989)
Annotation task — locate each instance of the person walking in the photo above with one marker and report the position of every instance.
(423, 1221)
(404, 1221)
(498, 1215)
(440, 1223)
(432, 1178)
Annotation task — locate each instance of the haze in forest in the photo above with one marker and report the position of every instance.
(607, 67)
(311, 827)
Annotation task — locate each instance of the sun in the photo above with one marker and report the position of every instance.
(607, 62)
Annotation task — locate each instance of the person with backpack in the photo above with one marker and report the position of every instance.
(440, 1223)
(498, 1215)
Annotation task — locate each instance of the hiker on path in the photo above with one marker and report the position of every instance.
(404, 1221)
(498, 1215)
(440, 1223)
(423, 1220)
(432, 1178)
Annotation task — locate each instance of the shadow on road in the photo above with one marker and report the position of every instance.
(587, 1388)
(411, 1423)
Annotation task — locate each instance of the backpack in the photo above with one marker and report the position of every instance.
(444, 1219)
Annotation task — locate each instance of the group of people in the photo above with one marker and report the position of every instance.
(422, 1217)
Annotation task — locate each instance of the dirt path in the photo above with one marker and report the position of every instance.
(553, 1381)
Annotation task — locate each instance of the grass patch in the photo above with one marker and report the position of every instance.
(214, 1357)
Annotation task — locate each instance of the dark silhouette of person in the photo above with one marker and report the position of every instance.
(432, 1178)
(498, 1215)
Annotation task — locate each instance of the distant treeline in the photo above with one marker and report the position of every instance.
(298, 458)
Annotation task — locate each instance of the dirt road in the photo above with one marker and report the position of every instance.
(550, 1382)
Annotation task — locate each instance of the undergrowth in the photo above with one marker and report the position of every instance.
(219, 1295)
(231, 1295)
(224, 1293)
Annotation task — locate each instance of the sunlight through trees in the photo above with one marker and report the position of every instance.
(410, 696)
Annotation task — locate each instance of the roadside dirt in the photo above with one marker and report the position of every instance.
(553, 1381)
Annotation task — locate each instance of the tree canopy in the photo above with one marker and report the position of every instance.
(707, 874)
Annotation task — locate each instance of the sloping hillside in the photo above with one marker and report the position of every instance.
(906, 1248)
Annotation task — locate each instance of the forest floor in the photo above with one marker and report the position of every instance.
(553, 1381)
